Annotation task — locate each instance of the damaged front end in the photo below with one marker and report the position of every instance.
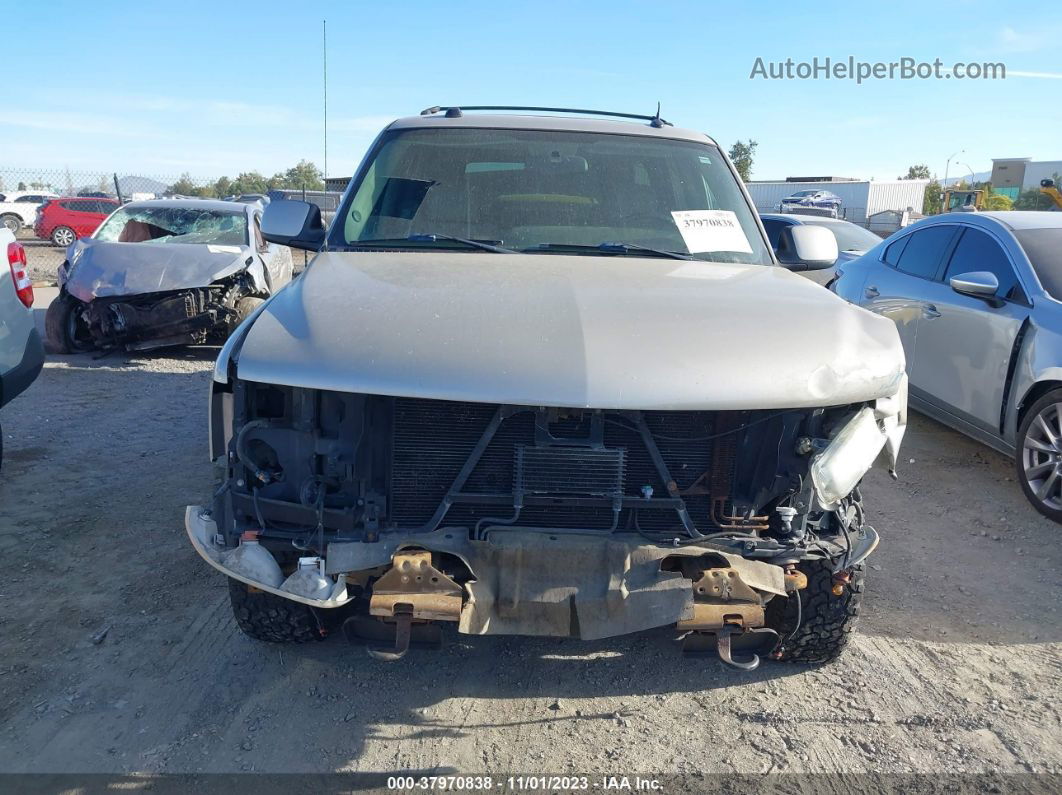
(509, 519)
(140, 296)
(143, 322)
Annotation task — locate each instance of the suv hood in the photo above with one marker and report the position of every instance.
(575, 331)
(101, 269)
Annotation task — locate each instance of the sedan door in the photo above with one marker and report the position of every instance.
(895, 286)
(965, 343)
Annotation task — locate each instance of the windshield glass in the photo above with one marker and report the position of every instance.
(568, 191)
(851, 237)
(177, 224)
(1043, 247)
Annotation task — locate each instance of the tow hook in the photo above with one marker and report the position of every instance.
(403, 615)
(722, 645)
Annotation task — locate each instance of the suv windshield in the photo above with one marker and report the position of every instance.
(174, 225)
(566, 192)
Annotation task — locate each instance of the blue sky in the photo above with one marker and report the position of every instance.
(218, 88)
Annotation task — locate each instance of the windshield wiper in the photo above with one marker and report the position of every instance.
(484, 245)
(611, 248)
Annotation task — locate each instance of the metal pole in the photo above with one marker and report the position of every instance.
(324, 67)
(117, 189)
(948, 164)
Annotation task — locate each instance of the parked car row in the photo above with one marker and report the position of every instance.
(544, 376)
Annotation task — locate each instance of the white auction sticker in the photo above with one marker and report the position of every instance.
(711, 230)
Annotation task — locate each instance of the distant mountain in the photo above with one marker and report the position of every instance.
(131, 184)
(978, 176)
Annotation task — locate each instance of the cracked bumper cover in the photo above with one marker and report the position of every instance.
(534, 583)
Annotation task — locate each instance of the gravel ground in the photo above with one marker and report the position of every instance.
(119, 652)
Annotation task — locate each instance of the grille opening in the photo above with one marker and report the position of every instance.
(433, 439)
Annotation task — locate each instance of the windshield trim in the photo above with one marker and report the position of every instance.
(334, 240)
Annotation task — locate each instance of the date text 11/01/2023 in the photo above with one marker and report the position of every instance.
(527, 783)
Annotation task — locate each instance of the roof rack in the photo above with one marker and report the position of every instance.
(455, 112)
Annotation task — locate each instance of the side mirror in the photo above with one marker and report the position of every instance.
(979, 284)
(293, 223)
(806, 247)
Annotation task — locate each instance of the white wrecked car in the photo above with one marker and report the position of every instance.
(545, 377)
(165, 272)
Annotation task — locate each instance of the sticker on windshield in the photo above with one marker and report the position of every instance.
(711, 230)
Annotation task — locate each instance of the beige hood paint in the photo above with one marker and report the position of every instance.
(577, 331)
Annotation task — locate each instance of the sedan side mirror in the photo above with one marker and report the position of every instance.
(979, 284)
(806, 247)
(293, 223)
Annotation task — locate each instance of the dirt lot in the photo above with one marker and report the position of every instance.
(119, 653)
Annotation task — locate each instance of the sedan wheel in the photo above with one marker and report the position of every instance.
(63, 236)
(1039, 456)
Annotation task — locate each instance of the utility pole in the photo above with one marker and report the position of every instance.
(324, 67)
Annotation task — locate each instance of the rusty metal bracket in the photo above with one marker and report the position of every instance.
(710, 617)
(413, 582)
(724, 584)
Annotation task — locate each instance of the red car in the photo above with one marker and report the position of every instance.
(66, 219)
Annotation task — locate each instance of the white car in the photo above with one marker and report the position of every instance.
(19, 208)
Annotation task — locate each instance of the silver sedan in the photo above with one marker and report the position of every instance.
(977, 299)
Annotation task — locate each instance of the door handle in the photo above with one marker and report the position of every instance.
(929, 311)
(871, 292)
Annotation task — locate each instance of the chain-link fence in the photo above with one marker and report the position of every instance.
(49, 209)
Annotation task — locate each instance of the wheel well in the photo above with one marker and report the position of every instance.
(1036, 391)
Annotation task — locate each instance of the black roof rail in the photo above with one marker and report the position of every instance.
(454, 112)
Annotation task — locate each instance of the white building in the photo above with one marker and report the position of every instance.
(860, 198)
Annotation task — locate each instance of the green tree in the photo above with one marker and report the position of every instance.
(304, 174)
(998, 201)
(742, 154)
(931, 204)
(21, 186)
(249, 182)
(920, 171)
(183, 186)
(223, 187)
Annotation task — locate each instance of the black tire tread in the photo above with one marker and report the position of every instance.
(55, 319)
(270, 618)
(828, 621)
